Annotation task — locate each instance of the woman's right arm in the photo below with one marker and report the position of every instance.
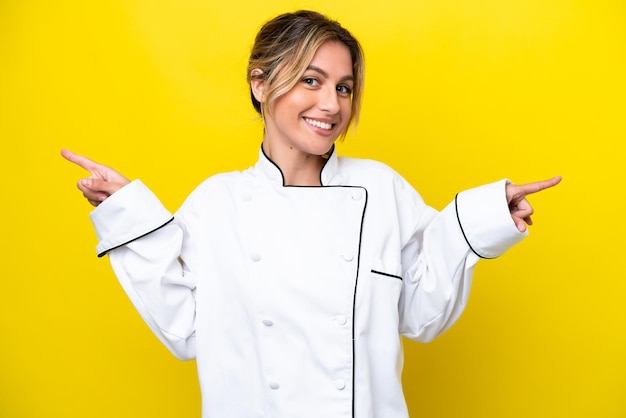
(146, 248)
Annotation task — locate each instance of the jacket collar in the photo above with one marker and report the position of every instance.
(270, 170)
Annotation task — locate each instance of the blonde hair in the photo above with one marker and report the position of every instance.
(285, 46)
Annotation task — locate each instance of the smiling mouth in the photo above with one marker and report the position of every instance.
(322, 125)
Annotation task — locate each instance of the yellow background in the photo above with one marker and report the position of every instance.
(458, 93)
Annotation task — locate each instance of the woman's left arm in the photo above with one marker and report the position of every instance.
(440, 257)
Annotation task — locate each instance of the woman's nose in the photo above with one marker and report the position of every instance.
(328, 101)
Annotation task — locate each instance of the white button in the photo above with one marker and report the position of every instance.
(267, 323)
(274, 385)
(255, 257)
(246, 197)
(357, 195)
(341, 320)
(340, 384)
(348, 257)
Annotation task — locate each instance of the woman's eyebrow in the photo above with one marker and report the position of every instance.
(325, 74)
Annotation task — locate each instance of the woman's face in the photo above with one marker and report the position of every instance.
(316, 111)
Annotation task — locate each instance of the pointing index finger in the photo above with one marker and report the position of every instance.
(540, 185)
(80, 160)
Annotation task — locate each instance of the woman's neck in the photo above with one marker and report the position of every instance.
(298, 169)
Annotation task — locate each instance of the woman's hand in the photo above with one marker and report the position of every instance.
(519, 206)
(103, 182)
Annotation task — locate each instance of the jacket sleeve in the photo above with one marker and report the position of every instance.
(150, 256)
(440, 255)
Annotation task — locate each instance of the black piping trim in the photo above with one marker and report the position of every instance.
(134, 239)
(356, 282)
(274, 164)
(456, 208)
(387, 274)
(330, 153)
(326, 159)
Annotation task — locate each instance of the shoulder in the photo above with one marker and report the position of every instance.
(215, 188)
(362, 163)
(371, 172)
(366, 167)
(221, 180)
(381, 181)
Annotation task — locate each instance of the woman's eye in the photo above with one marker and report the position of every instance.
(344, 90)
(310, 81)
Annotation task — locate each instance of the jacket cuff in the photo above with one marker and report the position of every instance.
(128, 214)
(485, 220)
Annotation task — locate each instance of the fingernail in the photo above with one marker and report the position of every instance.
(86, 182)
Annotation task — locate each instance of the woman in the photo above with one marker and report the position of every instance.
(292, 282)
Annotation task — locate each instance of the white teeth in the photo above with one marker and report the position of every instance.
(319, 124)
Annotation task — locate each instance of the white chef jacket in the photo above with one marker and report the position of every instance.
(293, 299)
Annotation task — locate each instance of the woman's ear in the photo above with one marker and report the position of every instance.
(257, 84)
